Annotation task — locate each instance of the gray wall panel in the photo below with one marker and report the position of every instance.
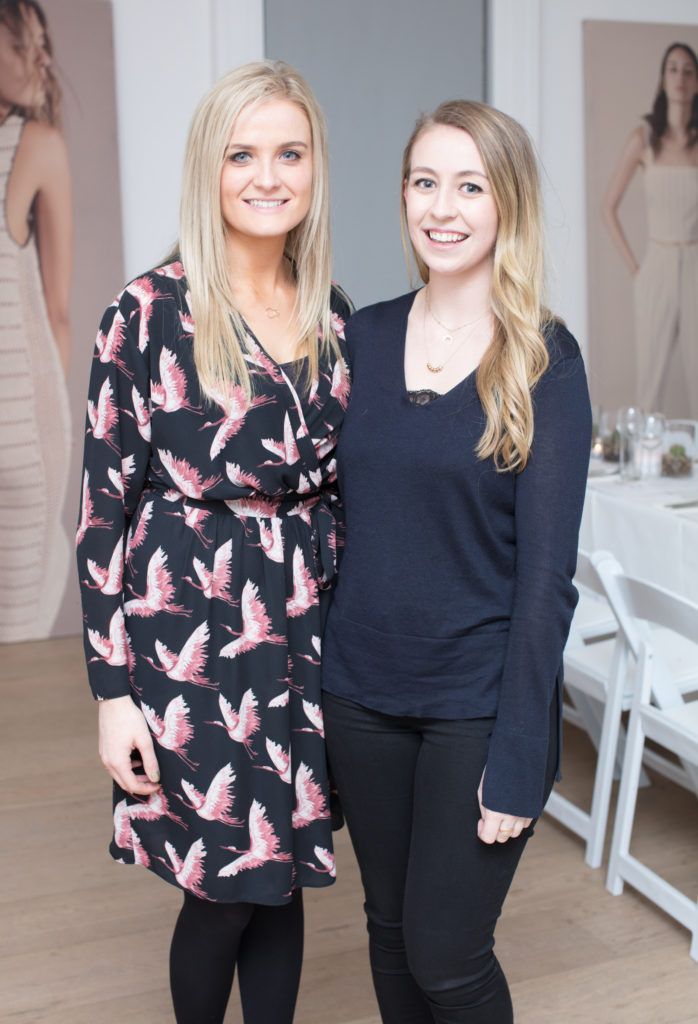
(374, 66)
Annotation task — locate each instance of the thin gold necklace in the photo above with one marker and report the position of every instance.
(450, 331)
(437, 368)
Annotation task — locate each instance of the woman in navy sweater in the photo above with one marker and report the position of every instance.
(462, 466)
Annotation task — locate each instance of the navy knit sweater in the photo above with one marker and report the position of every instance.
(455, 591)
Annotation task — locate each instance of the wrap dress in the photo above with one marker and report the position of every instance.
(206, 545)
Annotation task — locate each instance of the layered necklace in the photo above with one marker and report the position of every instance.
(448, 336)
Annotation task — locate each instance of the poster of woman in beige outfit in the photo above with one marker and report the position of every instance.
(35, 270)
(665, 281)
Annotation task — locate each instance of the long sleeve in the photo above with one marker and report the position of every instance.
(117, 452)
(548, 508)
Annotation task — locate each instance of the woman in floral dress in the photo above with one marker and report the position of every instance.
(207, 542)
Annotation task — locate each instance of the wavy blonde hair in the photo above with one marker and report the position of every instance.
(517, 356)
(220, 333)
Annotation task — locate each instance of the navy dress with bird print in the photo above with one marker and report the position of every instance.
(206, 547)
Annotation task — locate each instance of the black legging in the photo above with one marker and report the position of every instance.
(210, 939)
(433, 890)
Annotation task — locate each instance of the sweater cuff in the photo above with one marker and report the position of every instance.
(515, 774)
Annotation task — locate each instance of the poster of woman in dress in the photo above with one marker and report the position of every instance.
(59, 199)
(642, 214)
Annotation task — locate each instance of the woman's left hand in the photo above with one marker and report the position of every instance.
(497, 828)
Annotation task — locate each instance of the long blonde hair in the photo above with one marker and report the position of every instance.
(517, 356)
(220, 333)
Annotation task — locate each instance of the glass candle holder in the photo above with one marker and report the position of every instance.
(679, 448)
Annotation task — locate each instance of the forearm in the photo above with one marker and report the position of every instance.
(615, 230)
(60, 328)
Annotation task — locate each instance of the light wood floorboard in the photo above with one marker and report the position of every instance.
(84, 939)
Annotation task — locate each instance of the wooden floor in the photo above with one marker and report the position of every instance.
(85, 940)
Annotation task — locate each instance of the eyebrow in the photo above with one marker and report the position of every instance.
(286, 145)
(459, 174)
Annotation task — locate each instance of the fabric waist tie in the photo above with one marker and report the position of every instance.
(313, 508)
(662, 241)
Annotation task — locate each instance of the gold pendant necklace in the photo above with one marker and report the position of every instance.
(447, 338)
(271, 312)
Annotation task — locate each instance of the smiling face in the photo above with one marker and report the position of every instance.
(680, 80)
(450, 210)
(267, 177)
(24, 60)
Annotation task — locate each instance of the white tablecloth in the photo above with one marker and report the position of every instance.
(650, 540)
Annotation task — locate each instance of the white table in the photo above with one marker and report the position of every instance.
(651, 541)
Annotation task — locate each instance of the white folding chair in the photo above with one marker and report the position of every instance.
(599, 676)
(593, 617)
(593, 621)
(661, 713)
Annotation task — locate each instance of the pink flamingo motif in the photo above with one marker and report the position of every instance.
(338, 324)
(188, 665)
(87, 518)
(283, 698)
(215, 583)
(264, 845)
(313, 712)
(271, 540)
(115, 648)
(256, 625)
(190, 871)
(216, 803)
(186, 321)
(317, 647)
(170, 395)
(235, 405)
(123, 833)
(310, 801)
(103, 416)
(159, 591)
(240, 478)
(146, 293)
(108, 346)
(256, 507)
(186, 478)
(194, 517)
(281, 701)
(155, 807)
(281, 760)
(302, 511)
(240, 725)
(341, 384)
(325, 445)
(313, 397)
(140, 855)
(108, 580)
(266, 366)
(174, 730)
(141, 413)
(174, 270)
(119, 479)
(326, 859)
(304, 587)
(136, 537)
(286, 451)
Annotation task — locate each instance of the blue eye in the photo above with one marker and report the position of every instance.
(423, 183)
(290, 155)
(239, 158)
(471, 188)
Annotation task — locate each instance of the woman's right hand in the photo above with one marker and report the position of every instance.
(123, 729)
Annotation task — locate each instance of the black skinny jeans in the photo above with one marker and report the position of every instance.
(434, 891)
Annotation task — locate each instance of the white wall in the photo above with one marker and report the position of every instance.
(168, 53)
(536, 75)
